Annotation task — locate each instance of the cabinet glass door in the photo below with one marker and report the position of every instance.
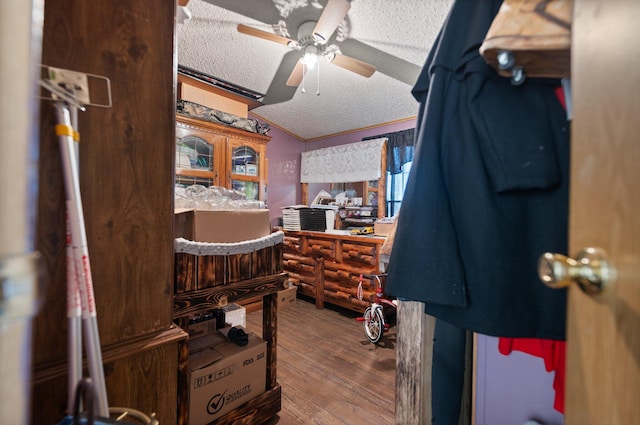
(245, 170)
(250, 189)
(245, 161)
(194, 161)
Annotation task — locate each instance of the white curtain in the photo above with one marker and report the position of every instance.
(352, 162)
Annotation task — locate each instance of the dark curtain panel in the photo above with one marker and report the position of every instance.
(399, 149)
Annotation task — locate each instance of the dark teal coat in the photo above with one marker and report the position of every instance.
(487, 193)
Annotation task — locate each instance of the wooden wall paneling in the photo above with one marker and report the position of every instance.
(125, 173)
(126, 179)
(146, 380)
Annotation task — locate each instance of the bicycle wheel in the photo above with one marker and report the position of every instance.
(373, 324)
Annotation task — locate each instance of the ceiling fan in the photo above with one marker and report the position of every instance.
(312, 43)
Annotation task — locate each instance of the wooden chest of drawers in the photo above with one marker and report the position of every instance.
(327, 266)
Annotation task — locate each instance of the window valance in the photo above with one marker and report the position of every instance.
(352, 162)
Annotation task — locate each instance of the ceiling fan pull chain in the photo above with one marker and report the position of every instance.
(304, 76)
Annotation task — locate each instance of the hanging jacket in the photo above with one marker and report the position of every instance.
(487, 193)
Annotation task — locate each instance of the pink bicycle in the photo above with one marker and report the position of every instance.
(373, 317)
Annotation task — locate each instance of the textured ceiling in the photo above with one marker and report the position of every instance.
(397, 34)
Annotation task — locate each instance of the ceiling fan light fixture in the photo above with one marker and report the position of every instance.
(310, 60)
(310, 57)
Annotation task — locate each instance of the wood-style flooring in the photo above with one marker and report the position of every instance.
(329, 372)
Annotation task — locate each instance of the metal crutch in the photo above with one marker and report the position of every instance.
(80, 259)
(74, 302)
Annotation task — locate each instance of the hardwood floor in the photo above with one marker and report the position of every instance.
(329, 372)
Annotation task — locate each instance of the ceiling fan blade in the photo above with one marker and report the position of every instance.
(353, 65)
(393, 66)
(333, 14)
(278, 90)
(266, 35)
(295, 78)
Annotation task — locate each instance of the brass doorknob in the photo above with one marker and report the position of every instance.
(590, 270)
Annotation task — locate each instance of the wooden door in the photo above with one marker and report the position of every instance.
(603, 358)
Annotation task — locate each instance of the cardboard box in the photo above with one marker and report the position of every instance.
(382, 228)
(221, 226)
(239, 375)
(287, 297)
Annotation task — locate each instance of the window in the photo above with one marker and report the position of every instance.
(396, 184)
(400, 150)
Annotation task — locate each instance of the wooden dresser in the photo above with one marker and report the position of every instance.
(327, 266)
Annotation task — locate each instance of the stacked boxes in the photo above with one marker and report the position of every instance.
(225, 376)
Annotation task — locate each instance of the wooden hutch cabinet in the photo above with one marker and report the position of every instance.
(214, 154)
